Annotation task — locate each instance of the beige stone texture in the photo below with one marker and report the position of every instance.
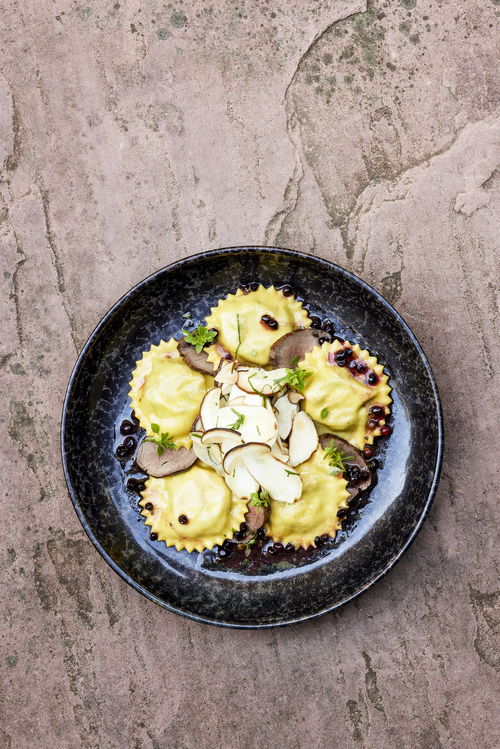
(134, 133)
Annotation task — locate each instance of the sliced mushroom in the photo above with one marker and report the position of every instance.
(209, 408)
(194, 359)
(211, 455)
(285, 412)
(295, 397)
(255, 518)
(303, 439)
(226, 373)
(282, 482)
(238, 454)
(354, 457)
(170, 461)
(241, 397)
(260, 381)
(279, 450)
(226, 438)
(258, 425)
(295, 345)
(240, 481)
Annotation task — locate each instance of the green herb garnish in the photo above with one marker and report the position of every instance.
(163, 442)
(294, 378)
(260, 498)
(336, 458)
(187, 315)
(324, 413)
(199, 337)
(239, 420)
(290, 473)
(294, 362)
(239, 337)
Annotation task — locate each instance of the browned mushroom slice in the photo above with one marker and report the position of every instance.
(193, 359)
(255, 518)
(170, 461)
(295, 345)
(358, 475)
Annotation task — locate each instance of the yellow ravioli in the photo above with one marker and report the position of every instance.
(315, 513)
(165, 391)
(238, 318)
(201, 499)
(346, 401)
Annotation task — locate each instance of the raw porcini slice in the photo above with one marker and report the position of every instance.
(303, 439)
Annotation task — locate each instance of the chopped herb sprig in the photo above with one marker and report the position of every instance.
(164, 441)
(239, 336)
(240, 418)
(199, 337)
(260, 498)
(294, 378)
(336, 458)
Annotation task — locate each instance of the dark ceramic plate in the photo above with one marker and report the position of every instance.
(376, 534)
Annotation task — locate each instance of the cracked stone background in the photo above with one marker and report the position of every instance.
(135, 133)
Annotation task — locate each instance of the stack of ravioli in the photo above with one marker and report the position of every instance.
(204, 505)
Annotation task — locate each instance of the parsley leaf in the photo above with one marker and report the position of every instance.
(163, 442)
(239, 420)
(260, 498)
(199, 337)
(294, 378)
(324, 413)
(290, 473)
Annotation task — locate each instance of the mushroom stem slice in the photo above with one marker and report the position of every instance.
(170, 461)
(303, 439)
(209, 408)
(295, 345)
(242, 398)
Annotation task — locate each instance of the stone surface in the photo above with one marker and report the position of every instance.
(132, 134)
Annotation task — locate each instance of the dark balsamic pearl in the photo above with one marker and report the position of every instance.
(269, 322)
(341, 512)
(278, 548)
(289, 548)
(153, 536)
(222, 552)
(261, 534)
(361, 367)
(129, 444)
(128, 427)
(253, 286)
(243, 527)
(183, 520)
(348, 352)
(377, 410)
(385, 431)
(372, 423)
(373, 464)
(372, 378)
(287, 290)
(325, 537)
(149, 506)
(368, 451)
(318, 541)
(353, 366)
(271, 551)
(315, 322)
(239, 536)
(322, 340)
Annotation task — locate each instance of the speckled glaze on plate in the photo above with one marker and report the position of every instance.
(375, 536)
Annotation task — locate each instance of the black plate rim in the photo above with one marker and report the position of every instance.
(302, 256)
